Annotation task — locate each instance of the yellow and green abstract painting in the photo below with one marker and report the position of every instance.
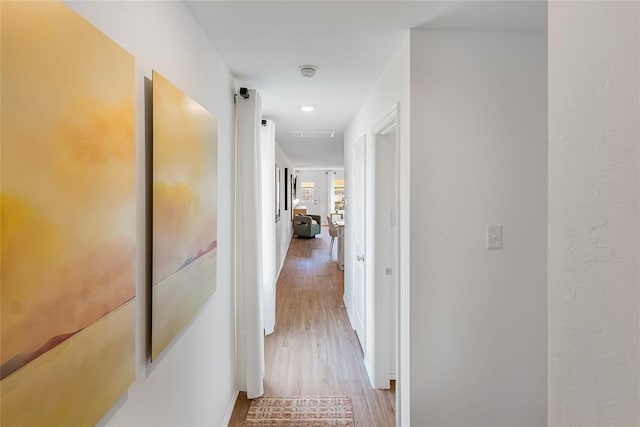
(67, 210)
(185, 163)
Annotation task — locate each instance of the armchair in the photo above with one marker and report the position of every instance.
(304, 225)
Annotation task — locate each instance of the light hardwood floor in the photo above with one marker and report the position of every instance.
(314, 351)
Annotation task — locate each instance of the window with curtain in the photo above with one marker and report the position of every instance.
(338, 194)
(308, 192)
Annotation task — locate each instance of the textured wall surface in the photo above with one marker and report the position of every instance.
(593, 213)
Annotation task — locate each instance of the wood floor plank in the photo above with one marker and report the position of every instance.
(314, 351)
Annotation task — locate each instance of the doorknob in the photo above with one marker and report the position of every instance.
(360, 258)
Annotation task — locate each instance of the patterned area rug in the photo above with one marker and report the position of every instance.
(300, 412)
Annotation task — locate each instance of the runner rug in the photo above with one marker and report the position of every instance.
(300, 412)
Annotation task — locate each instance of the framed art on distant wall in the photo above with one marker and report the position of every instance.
(294, 182)
(286, 189)
(291, 193)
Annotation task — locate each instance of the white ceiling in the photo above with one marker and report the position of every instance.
(264, 42)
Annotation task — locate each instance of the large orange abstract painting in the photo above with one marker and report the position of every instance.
(185, 163)
(67, 217)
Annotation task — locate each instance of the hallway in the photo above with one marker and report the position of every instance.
(313, 350)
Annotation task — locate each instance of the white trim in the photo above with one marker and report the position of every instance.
(403, 315)
(383, 372)
(388, 122)
(232, 404)
(284, 258)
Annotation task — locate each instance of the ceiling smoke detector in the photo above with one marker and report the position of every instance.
(308, 71)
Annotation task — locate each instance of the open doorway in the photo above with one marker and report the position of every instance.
(312, 350)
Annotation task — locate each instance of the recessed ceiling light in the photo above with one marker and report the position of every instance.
(307, 108)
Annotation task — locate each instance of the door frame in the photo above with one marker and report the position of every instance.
(386, 166)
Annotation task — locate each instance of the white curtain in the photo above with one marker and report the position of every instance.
(268, 161)
(249, 258)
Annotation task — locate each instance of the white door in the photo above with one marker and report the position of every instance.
(386, 232)
(358, 230)
(313, 192)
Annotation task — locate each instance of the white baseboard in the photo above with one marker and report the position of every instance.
(284, 257)
(280, 268)
(232, 404)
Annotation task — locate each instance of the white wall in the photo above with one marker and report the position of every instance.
(594, 240)
(390, 89)
(478, 157)
(193, 384)
(284, 229)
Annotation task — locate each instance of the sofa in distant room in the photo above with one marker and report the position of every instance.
(306, 226)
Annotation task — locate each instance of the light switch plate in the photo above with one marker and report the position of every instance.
(494, 237)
